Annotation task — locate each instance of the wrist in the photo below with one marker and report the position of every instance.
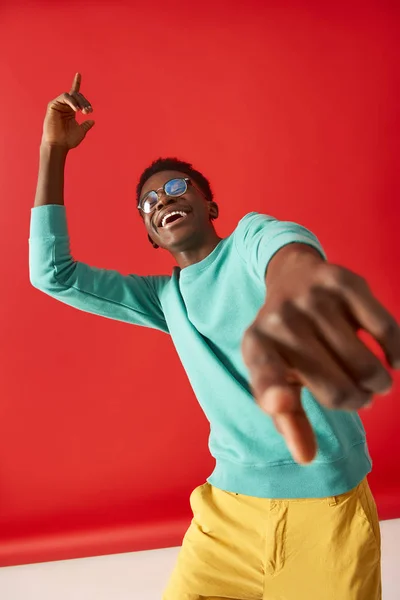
(53, 151)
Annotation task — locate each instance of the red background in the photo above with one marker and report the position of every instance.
(290, 108)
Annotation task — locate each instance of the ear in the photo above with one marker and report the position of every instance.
(153, 243)
(213, 210)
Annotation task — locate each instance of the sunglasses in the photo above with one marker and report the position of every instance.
(173, 188)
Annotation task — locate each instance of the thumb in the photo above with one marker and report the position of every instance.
(86, 125)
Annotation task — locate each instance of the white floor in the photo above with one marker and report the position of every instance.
(141, 575)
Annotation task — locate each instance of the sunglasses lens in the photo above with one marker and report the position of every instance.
(149, 202)
(175, 187)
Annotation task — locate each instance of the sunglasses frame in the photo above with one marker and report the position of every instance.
(162, 188)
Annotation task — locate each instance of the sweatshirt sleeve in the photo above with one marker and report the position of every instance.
(129, 298)
(258, 238)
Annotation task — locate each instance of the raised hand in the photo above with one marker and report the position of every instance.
(60, 125)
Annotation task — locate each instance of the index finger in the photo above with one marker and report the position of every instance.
(76, 84)
(278, 396)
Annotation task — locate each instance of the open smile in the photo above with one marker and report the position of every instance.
(172, 219)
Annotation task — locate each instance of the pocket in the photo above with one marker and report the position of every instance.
(350, 533)
(368, 511)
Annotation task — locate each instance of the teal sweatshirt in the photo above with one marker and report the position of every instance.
(206, 308)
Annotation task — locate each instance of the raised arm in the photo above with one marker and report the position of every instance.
(130, 298)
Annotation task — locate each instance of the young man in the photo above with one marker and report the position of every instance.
(287, 512)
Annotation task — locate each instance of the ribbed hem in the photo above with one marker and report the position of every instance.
(317, 480)
(48, 220)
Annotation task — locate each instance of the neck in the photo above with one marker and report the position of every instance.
(198, 252)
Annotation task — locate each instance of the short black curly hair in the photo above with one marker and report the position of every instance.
(174, 164)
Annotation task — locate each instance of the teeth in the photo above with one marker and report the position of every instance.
(174, 212)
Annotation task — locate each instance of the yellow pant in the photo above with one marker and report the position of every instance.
(240, 547)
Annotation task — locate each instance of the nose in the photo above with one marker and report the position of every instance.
(163, 199)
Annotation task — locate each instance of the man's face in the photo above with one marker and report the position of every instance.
(179, 232)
